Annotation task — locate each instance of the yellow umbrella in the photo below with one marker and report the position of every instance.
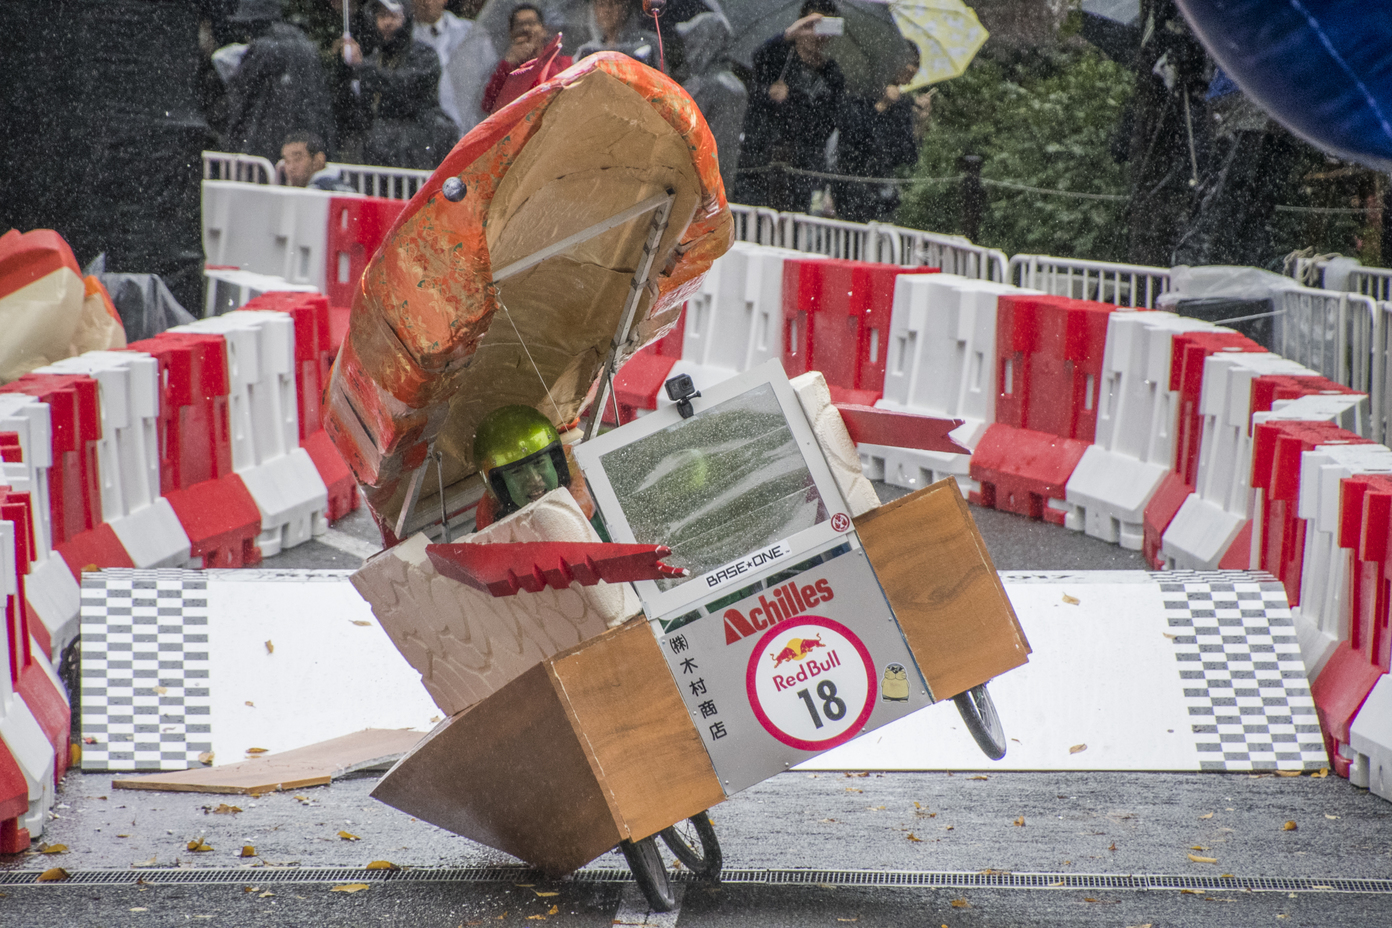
(947, 34)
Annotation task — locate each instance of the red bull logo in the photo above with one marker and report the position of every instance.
(776, 605)
(796, 649)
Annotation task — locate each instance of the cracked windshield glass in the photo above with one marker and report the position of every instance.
(718, 485)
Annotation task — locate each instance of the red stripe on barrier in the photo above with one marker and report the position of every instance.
(51, 711)
(94, 549)
(74, 493)
(836, 317)
(221, 520)
(1021, 470)
(343, 489)
(357, 227)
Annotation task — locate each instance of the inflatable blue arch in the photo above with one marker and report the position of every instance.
(1322, 68)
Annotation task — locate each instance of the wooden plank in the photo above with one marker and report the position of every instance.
(635, 729)
(509, 773)
(314, 765)
(939, 579)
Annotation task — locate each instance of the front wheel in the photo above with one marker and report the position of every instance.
(694, 843)
(650, 873)
(979, 712)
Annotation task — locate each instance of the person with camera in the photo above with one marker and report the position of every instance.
(794, 102)
(528, 36)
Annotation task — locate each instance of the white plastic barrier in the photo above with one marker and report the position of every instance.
(1370, 736)
(1322, 618)
(19, 730)
(264, 419)
(278, 231)
(53, 594)
(940, 362)
(128, 455)
(1103, 281)
(1136, 418)
(1210, 519)
(228, 290)
(735, 321)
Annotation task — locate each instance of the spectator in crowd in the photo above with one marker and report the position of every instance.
(529, 35)
(322, 21)
(617, 26)
(304, 161)
(275, 87)
(442, 31)
(876, 137)
(390, 98)
(794, 101)
(720, 95)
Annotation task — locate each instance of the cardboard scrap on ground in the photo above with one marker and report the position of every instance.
(314, 765)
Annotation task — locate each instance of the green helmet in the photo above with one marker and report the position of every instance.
(519, 453)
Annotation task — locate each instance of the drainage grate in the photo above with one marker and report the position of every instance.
(923, 878)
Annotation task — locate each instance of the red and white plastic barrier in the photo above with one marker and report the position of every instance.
(940, 360)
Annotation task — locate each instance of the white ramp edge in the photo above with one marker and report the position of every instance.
(1117, 682)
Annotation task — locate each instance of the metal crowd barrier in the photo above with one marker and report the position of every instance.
(1103, 281)
(249, 169)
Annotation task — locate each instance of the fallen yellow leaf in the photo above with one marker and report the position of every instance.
(250, 703)
(1290, 773)
(348, 888)
(1332, 818)
(1077, 749)
(1089, 899)
(1019, 821)
(1320, 774)
(53, 875)
(198, 845)
(266, 895)
(139, 908)
(555, 909)
(248, 850)
(912, 838)
(961, 904)
(544, 895)
(206, 758)
(1209, 815)
(161, 690)
(1289, 826)
(53, 848)
(270, 648)
(1198, 848)
(1071, 600)
(1203, 860)
(382, 865)
(360, 622)
(979, 776)
(224, 809)
(256, 750)
(348, 837)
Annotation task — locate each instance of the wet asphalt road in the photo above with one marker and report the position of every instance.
(918, 823)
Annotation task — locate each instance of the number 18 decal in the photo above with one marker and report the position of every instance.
(811, 683)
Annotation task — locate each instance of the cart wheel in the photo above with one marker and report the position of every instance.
(650, 873)
(979, 712)
(695, 845)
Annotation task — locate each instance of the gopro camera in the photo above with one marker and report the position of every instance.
(680, 390)
(829, 25)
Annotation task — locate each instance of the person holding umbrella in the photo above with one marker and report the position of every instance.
(794, 101)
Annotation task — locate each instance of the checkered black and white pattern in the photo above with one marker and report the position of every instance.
(1244, 680)
(145, 695)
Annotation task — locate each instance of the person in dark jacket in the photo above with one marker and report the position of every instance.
(876, 138)
(794, 102)
(278, 86)
(388, 101)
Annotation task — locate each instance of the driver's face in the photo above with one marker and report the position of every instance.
(529, 481)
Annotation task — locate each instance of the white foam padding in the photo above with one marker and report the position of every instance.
(835, 442)
(1371, 736)
(464, 643)
(940, 361)
(1136, 417)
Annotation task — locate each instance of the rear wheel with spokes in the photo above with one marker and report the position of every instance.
(694, 843)
(979, 712)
